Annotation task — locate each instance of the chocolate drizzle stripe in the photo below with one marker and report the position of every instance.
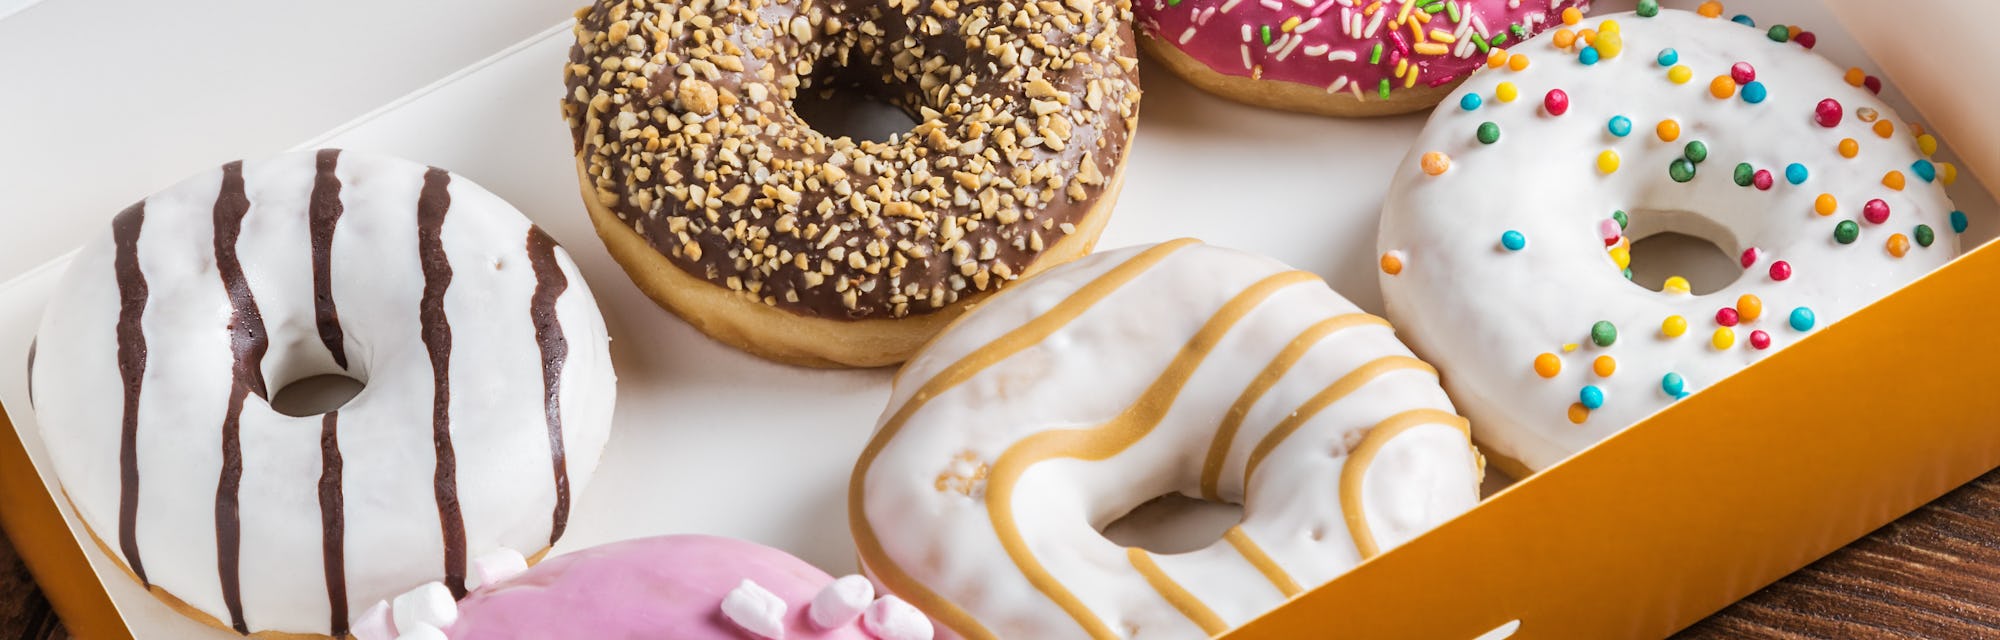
(325, 209)
(132, 294)
(549, 286)
(333, 527)
(247, 342)
(432, 204)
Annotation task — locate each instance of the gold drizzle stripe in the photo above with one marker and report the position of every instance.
(1262, 561)
(1347, 384)
(1189, 605)
(870, 549)
(1110, 439)
(1218, 451)
(1363, 457)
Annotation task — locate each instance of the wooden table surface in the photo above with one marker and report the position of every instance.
(1933, 574)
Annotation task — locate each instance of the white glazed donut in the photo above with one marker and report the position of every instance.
(1077, 395)
(487, 401)
(1502, 261)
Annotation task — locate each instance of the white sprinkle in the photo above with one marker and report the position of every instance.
(1355, 89)
(1187, 35)
(1205, 15)
(1375, 24)
(1246, 33)
(1316, 50)
(1273, 5)
(755, 610)
(1246, 54)
(1337, 84)
(1287, 52)
(840, 602)
(1343, 55)
(1306, 26)
(1278, 43)
(1231, 4)
(1303, 3)
(1480, 25)
(1322, 8)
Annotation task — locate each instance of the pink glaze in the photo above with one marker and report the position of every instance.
(1328, 43)
(662, 587)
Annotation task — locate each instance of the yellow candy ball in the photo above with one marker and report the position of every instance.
(1607, 162)
(1506, 92)
(1676, 284)
(1674, 326)
(1621, 257)
(1723, 338)
(1680, 74)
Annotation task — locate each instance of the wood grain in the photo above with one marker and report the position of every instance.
(1933, 574)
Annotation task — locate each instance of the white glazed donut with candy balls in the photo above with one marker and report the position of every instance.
(1506, 235)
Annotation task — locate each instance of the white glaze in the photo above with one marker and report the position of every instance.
(1089, 371)
(393, 539)
(1482, 314)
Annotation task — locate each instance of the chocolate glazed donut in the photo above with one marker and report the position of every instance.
(730, 210)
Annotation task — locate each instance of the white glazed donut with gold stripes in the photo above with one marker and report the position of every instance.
(1079, 394)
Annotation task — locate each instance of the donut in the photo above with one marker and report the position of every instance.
(1068, 400)
(1340, 57)
(730, 210)
(486, 370)
(1506, 235)
(685, 587)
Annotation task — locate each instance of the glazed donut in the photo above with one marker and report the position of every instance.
(684, 587)
(730, 210)
(1011, 440)
(1340, 57)
(1506, 230)
(487, 398)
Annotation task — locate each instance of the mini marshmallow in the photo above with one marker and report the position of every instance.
(423, 632)
(840, 602)
(494, 566)
(756, 610)
(893, 619)
(430, 604)
(373, 624)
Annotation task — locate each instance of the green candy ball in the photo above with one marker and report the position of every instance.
(1681, 170)
(1846, 232)
(1603, 333)
(1489, 133)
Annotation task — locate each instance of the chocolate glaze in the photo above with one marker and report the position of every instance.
(549, 286)
(248, 342)
(132, 294)
(325, 210)
(332, 527)
(744, 246)
(432, 204)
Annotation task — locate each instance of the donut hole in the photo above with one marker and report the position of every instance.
(1173, 523)
(841, 106)
(1679, 243)
(315, 395)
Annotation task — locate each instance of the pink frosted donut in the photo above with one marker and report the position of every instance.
(1339, 57)
(686, 587)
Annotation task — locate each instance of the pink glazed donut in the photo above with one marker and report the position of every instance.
(685, 587)
(1339, 57)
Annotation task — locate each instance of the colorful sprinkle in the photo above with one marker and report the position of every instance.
(1760, 340)
(1603, 333)
(1609, 230)
(1603, 366)
(1556, 102)
(1925, 170)
(1958, 222)
(1709, 9)
(1876, 211)
(1609, 42)
(1762, 179)
(1846, 232)
(1854, 76)
(1780, 34)
(1391, 265)
(1947, 173)
(1884, 128)
(1619, 217)
(1674, 326)
(1620, 126)
(1681, 170)
(1825, 204)
(1505, 91)
(1668, 130)
(1722, 87)
(1828, 113)
(1722, 338)
(1571, 16)
(1590, 397)
(1898, 245)
(1927, 143)
(1517, 62)
(1924, 235)
(1749, 258)
(1649, 8)
(1802, 319)
(1726, 316)
(1743, 20)
(1564, 38)
(1676, 285)
(1674, 385)
(1781, 271)
(1435, 163)
(1470, 102)
(1488, 133)
(1893, 180)
(1795, 173)
(1849, 148)
(1668, 57)
(1755, 92)
(1548, 365)
(1749, 307)
(1577, 413)
(1607, 161)
(1742, 72)
(1745, 174)
(1622, 257)
(1680, 74)
(1588, 56)
(1513, 240)
(1697, 151)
